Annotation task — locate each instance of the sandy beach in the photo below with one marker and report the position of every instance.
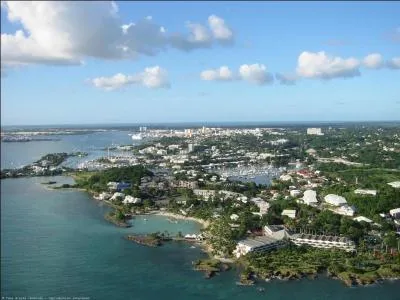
(180, 217)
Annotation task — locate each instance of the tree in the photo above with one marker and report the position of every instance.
(221, 237)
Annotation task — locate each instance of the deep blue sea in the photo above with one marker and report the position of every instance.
(57, 244)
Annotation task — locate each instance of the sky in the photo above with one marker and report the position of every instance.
(151, 62)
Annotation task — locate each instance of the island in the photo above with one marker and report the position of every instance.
(48, 165)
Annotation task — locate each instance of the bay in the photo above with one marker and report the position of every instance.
(57, 244)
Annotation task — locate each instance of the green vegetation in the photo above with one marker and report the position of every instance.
(370, 206)
(295, 262)
(210, 266)
(150, 240)
(118, 218)
(97, 181)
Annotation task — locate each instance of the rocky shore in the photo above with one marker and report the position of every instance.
(146, 240)
(119, 223)
(210, 267)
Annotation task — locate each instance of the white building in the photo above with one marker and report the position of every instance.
(395, 213)
(234, 217)
(344, 210)
(323, 241)
(362, 219)
(116, 195)
(257, 244)
(190, 147)
(262, 205)
(278, 232)
(295, 193)
(365, 192)
(310, 197)
(112, 185)
(291, 213)
(206, 194)
(103, 196)
(285, 177)
(130, 199)
(395, 184)
(335, 200)
(314, 131)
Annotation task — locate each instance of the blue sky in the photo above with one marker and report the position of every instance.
(43, 83)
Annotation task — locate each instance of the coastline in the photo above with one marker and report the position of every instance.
(204, 223)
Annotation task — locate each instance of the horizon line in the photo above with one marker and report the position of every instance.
(204, 122)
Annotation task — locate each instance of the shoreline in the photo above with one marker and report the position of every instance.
(204, 223)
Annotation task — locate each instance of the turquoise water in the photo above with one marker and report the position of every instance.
(56, 243)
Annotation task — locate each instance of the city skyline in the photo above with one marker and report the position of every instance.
(199, 62)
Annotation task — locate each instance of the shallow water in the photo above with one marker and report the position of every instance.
(56, 243)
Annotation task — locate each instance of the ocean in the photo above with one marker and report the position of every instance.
(57, 244)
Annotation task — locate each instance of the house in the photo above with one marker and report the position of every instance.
(365, 192)
(304, 173)
(206, 194)
(123, 186)
(116, 195)
(310, 197)
(130, 199)
(262, 205)
(335, 200)
(234, 217)
(295, 193)
(395, 213)
(285, 178)
(344, 210)
(186, 184)
(242, 198)
(118, 186)
(104, 196)
(112, 185)
(291, 213)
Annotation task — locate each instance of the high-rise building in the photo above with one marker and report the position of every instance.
(190, 147)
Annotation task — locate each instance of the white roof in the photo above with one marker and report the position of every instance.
(395, 211)
(291, 213)
(234, 217)
(285, 177)
(361, 218)
(363, 191)
(335, 199)
(395, 184)
(310, 196)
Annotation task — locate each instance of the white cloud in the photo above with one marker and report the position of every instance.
(67, 32)
(199, 33)
(220, 30)
(221, 74)
(286, 79)
(255, 73)
(373, 61)
(320, 65)
(394, 63)
(152, 77)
